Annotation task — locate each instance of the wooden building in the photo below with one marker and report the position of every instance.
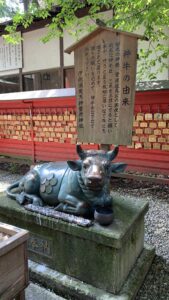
(42, 66)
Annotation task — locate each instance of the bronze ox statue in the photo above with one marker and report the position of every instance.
(76, 187)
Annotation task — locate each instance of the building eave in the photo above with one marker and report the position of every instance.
(40, 23)
(96, 32)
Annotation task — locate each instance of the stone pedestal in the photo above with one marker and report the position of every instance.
(101, 257)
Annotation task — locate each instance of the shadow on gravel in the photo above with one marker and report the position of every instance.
(141, 188)
(156, 284)
(14, 168)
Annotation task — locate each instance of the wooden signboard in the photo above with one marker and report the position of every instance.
(105, 71)
(10, 55)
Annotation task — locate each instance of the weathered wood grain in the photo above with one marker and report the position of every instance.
(13, 262)
(105, 71)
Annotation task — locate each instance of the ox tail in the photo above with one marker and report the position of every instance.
(11, 193)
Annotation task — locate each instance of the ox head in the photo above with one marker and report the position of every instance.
(96, 166)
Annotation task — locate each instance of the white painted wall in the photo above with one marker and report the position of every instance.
(37, 55)
(69, 39)
(69, 58)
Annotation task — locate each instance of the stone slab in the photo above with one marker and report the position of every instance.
(100, 256)
(72, 288)
(125, 212)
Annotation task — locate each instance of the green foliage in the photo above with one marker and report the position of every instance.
(150, 16)
(7, 9)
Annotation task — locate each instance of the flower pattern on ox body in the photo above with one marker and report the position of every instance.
(48, 183)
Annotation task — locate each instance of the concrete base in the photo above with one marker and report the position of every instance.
(74, 289)
(92, 263)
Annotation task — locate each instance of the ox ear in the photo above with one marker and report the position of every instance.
(112, 154)
(118, 167)
(74, 165)
(80, 152)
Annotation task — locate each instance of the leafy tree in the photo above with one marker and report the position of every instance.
(27, 3)
(7, 9)
(150, 16)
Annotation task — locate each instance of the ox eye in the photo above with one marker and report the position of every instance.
(85, 166)
(106, 167)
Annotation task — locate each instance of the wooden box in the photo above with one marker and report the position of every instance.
(13, 262)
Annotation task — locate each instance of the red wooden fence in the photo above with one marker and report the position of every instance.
(146, 160)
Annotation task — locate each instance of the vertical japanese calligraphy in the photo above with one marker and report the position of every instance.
(80, 100)
(10, 55)
(126, 77)
(104, 86)
(105, 83)
(92, 86)
(116, 83)
(110, 87)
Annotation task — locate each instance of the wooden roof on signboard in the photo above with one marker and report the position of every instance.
(96, 32)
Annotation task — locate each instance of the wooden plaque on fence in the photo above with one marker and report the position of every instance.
(105, 71)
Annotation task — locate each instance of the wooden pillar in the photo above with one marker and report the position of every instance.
(20, 69)
(20, 80)
(105, 147)
(32, 132)
(61, 62)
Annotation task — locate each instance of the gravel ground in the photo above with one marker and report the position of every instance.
(6, 178)
(156, 284)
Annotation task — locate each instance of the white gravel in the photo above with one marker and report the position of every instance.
(6, 179)
(156, 284)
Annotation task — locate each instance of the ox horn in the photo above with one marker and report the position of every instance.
(112, 154)
(80, 152)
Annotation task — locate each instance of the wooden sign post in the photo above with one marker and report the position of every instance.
(10, 55)
(105, 72)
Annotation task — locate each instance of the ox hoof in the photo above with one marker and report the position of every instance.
(37, 201)
(20, 198)
(82, 209)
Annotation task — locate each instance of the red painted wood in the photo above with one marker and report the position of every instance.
(142, 154)
(156, 96)
(15, 148)
(141, 160)
(147, 160)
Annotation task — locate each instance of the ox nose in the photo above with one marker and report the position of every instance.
(94, 178)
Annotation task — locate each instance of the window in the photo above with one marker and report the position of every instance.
(49, 79)
(44, 80)
(28, 82)
(9, 84)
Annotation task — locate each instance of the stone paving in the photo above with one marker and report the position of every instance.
(36, 292)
